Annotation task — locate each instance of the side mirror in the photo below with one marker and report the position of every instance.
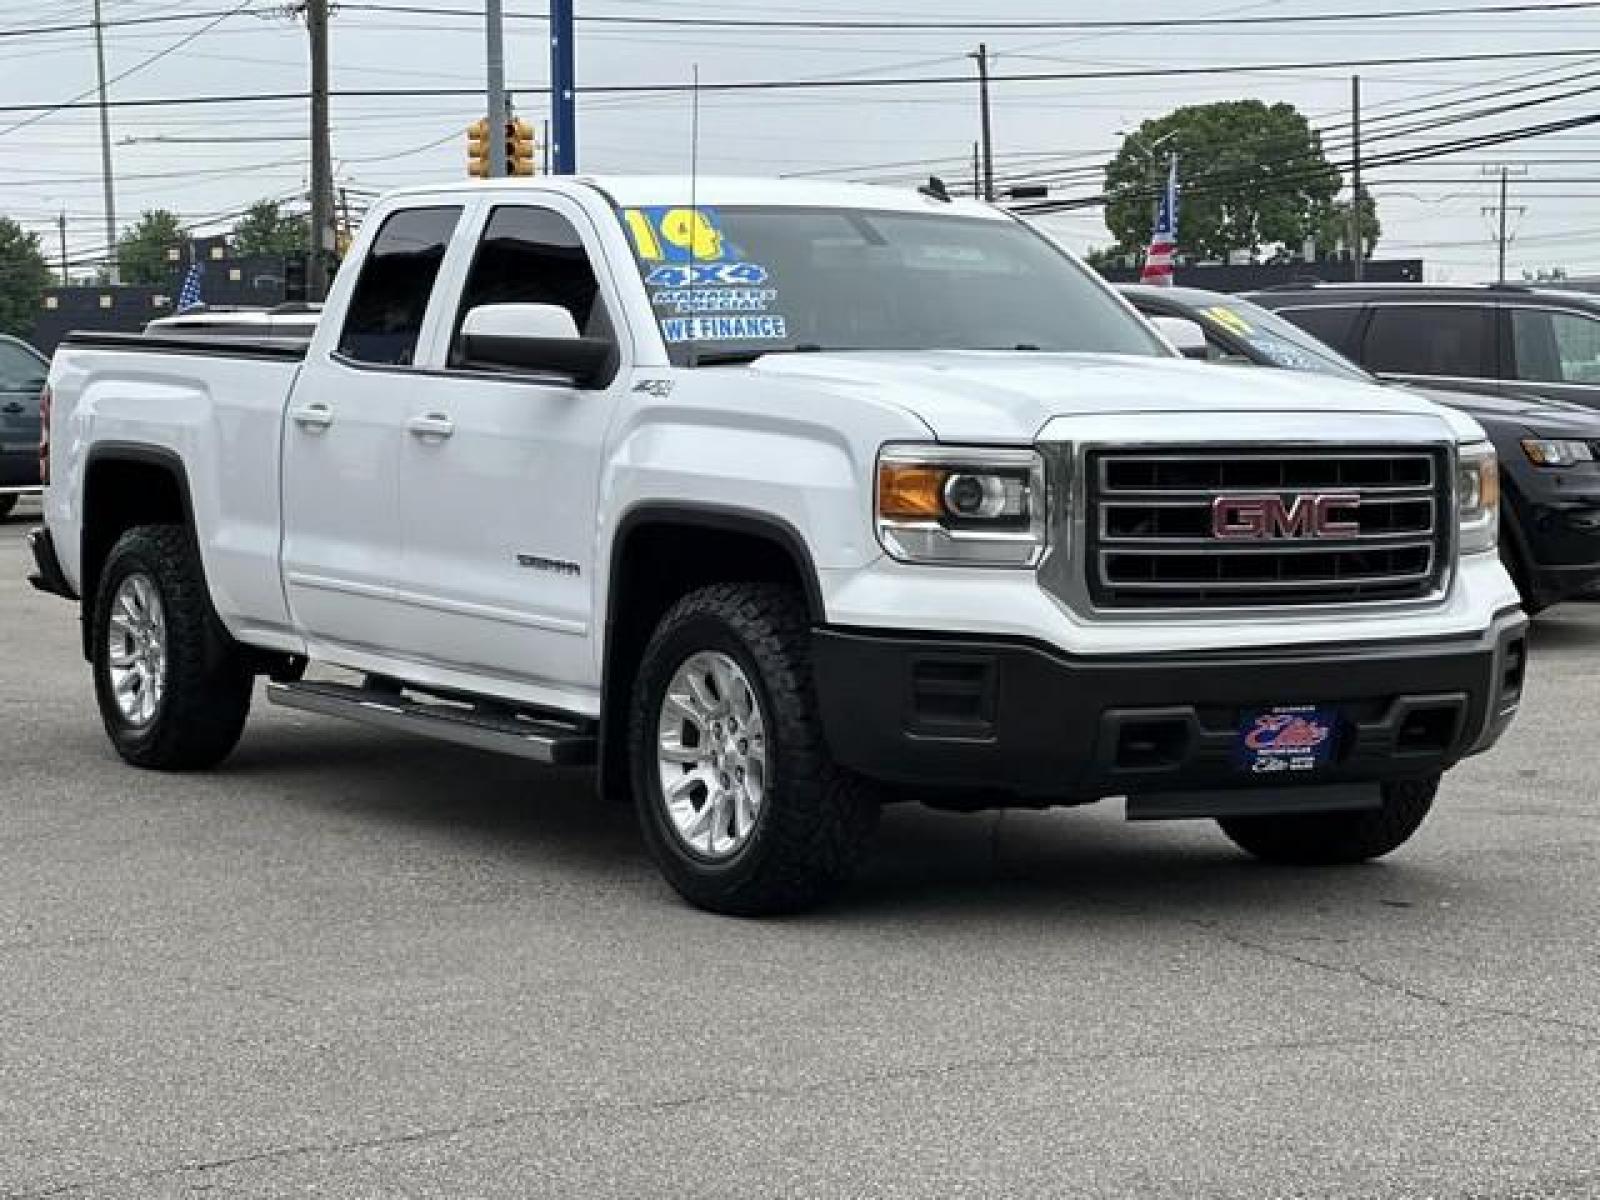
(537, 338)
(1184, 334)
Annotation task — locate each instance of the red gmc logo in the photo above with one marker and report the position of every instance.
(1260, 518)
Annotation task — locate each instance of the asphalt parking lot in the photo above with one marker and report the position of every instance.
(352, 965)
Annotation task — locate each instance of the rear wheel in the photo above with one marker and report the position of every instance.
(172, 687)
(1324, 839)
(739, 803)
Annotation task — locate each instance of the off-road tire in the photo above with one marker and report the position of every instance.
(207, 691)
(816, 819)
(7, 505)
(1328, 839)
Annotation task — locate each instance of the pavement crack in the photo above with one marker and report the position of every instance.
(712, 1095)
(1398, 987)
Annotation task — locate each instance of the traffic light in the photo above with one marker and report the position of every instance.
(478, 149)
(519, 148)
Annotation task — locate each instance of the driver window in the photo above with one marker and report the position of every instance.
(532, 256)
(19, 370)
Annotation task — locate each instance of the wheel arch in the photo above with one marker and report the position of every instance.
(659, 553)
(126, 484)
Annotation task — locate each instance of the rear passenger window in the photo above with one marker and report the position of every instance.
(1332, 326)
(533, 256)
(391, 297)
(1430, 339)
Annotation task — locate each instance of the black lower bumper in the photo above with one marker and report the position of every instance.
(47, 575)
(1016, 718)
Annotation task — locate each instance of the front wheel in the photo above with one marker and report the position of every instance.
(172, 687)
(739, 802)
(1325, 839)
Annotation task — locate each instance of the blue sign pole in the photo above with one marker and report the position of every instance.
(563, 97)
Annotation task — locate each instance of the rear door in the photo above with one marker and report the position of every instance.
(500, 470)
(22, 376)
(342, 436)
(1425, 343)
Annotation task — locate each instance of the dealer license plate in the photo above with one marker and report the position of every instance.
(1286, 740)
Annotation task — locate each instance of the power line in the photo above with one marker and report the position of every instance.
(1001, 26)
(874, 82)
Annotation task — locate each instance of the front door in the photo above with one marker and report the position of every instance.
(1554, 353)
(500, 476)
(342, 439)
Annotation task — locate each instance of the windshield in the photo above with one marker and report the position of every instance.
(1280, 342)
(782, 278)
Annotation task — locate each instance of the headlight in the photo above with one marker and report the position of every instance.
(1478, 498)
(978, 507)
(1545, 452)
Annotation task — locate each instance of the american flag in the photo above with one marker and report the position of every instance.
(1158, 261)
(189, 294)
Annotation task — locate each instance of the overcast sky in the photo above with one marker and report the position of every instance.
(1432, 210)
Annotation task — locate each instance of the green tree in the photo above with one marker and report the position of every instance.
(1250, 175)
(144, 249)
(265, 229)
(24, 275)
(1334, 227)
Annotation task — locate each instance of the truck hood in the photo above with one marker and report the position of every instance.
(1008, 396)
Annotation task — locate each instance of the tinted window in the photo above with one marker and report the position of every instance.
(1427, 339)
(1555, 347)
(20, 370)
(1276, 341)
(1332, 326)
(391, 297)
(534, 256)
(736, 282)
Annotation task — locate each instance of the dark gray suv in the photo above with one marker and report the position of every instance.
(1502, 339)
(22, 374)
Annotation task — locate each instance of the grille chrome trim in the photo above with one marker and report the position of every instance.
(1134, 565)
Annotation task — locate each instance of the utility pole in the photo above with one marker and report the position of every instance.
(495, 43)
(61, 223)
(976, 185)
(563, 98)
(345, 232)
(322, 231)
(983, 106)
(1503, 210)
(1357, 248)
(105, 147)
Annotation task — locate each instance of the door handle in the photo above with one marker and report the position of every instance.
(312, 416)
(434, 425)
(14, 407)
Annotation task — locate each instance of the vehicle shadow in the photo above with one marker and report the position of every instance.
(925, 865)
(1566, 627)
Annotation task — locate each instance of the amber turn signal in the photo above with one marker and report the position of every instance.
(914, 493)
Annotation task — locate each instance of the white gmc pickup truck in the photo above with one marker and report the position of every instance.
(778, 501)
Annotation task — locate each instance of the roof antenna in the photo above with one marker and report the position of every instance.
(935, 189)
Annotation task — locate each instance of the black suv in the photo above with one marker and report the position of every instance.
(1549, 451)
(22, 374)
(1501, 339)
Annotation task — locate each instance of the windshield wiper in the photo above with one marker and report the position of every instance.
(723, 358)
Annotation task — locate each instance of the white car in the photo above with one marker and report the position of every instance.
(778, 499)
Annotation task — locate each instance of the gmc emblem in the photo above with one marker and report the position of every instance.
(1261, 518)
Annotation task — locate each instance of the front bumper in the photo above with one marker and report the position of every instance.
(1007, 716)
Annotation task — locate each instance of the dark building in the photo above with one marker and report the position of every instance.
(1255, 277)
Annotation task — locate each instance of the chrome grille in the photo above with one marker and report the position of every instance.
(1154, 540)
